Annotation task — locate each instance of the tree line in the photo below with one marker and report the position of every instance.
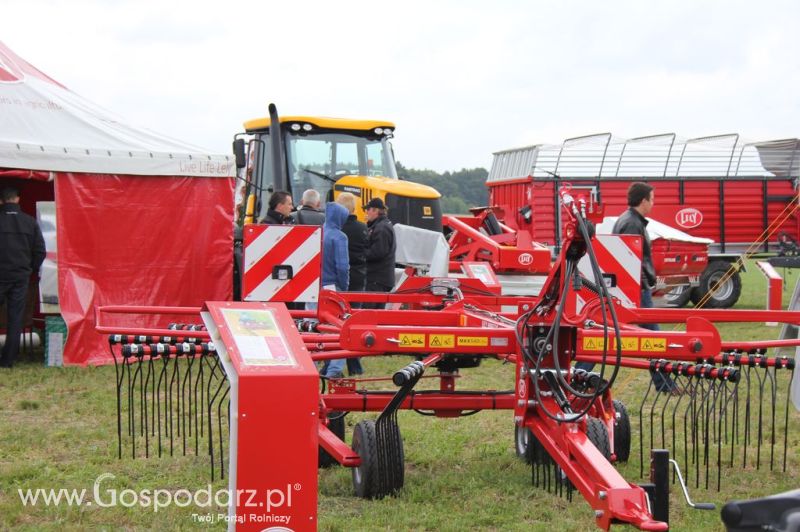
(460, 190)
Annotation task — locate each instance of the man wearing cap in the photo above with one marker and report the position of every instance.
(381, 247)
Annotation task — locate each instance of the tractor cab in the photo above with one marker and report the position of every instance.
(333, 155)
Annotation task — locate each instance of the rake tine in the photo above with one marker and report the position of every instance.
(773, 392)
(132, 397)
(641, 430)
(761, 382)
(746, 417)
(187, 377)
(153, 395)
(198, 383)
(118, 380)
(145, 423)
(211, 401)
(684, 384)
(786, 418)
(170, 397)
(735, 420)
(165, 362)
(219, 431)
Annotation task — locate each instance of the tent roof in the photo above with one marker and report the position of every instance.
(46, 126)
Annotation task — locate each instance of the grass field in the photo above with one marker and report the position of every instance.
(58, 430)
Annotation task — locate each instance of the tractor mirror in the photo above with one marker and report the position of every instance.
(238, 152)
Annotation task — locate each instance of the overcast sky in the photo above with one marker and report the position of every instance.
(460, 79)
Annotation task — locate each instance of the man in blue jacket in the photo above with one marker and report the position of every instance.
(335, 266)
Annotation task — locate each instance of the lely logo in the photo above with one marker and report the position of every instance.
(688, 218)
(525, 259)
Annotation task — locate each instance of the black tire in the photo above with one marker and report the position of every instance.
(622, 432)
(598, 435)
(678, 296)
(366, 483)
(726, 294)
(335, 425)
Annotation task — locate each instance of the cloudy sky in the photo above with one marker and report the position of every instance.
(461, 79)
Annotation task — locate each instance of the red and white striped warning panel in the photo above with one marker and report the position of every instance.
(620, 261)
(282, 263)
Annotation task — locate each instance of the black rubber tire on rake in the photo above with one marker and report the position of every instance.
(366, 481)
(335, 425)
(622, 432)
(598, 434)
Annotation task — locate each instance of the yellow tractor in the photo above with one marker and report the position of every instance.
(330, 155)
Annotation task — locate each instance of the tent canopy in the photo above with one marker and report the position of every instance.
(47, 127)
(142, 219)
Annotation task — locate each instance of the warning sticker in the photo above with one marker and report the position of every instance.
(654, 345)
(412, 340)
(479, 341)
(629, 343)
(441, 340)
(595, 343)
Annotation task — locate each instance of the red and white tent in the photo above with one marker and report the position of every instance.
(142, 218)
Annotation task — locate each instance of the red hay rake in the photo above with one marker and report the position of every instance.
(569, 427)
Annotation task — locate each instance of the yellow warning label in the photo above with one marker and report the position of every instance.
(441, 340)
(412, 340)
(629, 343)
(427, 211)
(595, 343)
(480, 341)
(654, 345)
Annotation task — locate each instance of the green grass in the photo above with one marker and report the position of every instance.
(58, 430)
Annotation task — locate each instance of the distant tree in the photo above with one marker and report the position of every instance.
(460, 190)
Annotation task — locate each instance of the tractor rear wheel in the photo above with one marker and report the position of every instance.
(335, 425)
(598, 435)
(622, 432)
(727, 293)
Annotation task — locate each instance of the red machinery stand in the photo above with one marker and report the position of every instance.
(274, 407)
(774, 287)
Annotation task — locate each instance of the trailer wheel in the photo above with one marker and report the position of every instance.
(598, 434)
(726, 295)
(335, 425)
(622, 432)
(678, 296)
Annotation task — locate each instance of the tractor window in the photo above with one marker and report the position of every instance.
(317, 160)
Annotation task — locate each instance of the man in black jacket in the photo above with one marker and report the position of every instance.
(21, 254)
(280, 209)
(381, 248)
(633, 222)
(309, 212)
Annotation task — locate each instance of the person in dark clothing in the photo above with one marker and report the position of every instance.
(280, 209)
(22, 252)
(641, 197)
(357, 238)
(335, 268)
(356, 233)
(309, 212)
(381, 246)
